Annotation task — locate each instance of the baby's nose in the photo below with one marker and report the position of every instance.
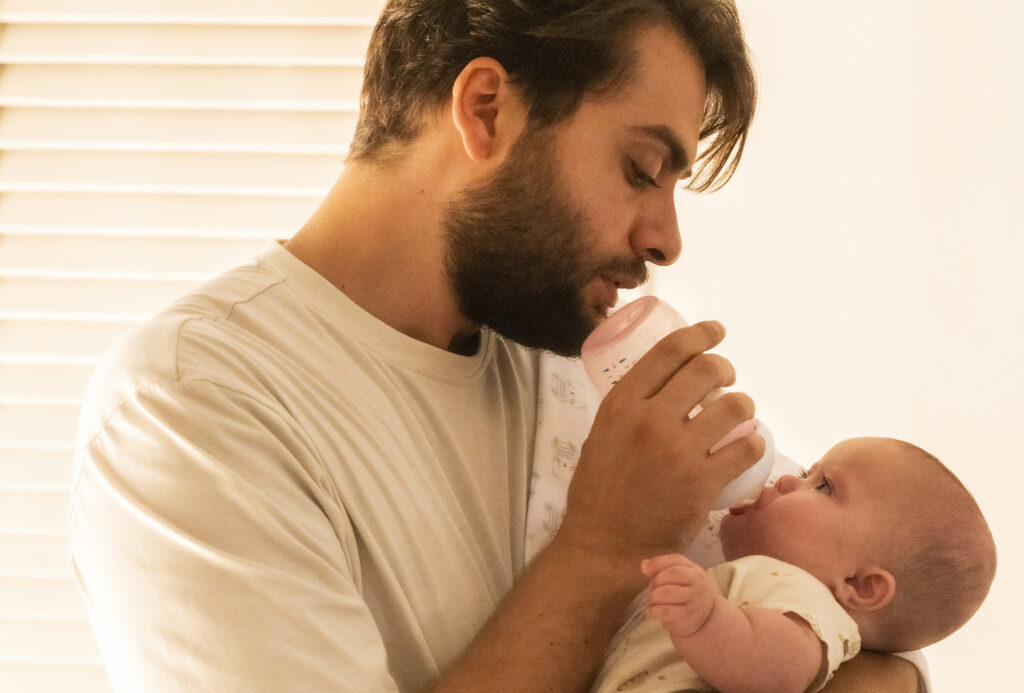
(787, 483)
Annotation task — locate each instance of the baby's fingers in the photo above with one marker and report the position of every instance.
(653, 566)
(670, 595)
(667, 614)
(688, 575)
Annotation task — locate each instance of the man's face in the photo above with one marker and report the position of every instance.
(539, 251)
(519, 254)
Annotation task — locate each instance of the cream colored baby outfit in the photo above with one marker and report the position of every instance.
(643, 659)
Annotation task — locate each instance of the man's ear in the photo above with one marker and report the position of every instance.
(486, 110)
(868, 590)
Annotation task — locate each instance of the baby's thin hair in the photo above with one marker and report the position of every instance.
(943, 558)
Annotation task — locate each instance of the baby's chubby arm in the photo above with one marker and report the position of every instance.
(734, 649)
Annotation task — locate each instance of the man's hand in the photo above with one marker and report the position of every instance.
(645, 479)
(681, 594)
(875, 672)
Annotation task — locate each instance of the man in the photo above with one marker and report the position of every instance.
(311, 473)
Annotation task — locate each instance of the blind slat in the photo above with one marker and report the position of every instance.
(116, 211)
(185, 84)
(81, 675)
(194, 232)
(205, 128)
(95, 297)
(19, 467)
(198, 8)
(184, 45)
(152, 256)
(32, 554)
(43, 598)
(175, 104)
(54, 338)
(63, 60)
(213, 172)
(48, 640)
(31, 511)
(149, 147)
(191, 20)
(157, 189)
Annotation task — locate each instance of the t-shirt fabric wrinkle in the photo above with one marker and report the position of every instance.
(302, 478)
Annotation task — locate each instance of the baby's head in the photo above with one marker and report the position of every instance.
(888, 528)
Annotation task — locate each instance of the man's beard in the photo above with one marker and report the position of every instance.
(517, 257)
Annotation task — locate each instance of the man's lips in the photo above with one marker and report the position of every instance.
(605, 291)
(610, 285)
(621, 281)
(601, 293)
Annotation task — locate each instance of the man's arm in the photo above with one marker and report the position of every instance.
(733, 648)
(642, 487)
(875, 672)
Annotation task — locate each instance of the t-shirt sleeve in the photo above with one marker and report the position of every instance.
(772, 584)
(213, 554)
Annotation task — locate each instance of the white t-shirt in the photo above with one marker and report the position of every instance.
(277, 492)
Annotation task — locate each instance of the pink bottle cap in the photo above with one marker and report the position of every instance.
(618, 343)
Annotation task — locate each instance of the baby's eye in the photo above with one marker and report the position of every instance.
(825, 485)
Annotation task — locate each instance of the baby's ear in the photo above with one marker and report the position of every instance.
(868, 590)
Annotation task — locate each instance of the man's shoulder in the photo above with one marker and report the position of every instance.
(167, 347)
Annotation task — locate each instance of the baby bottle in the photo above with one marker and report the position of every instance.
(623, 338)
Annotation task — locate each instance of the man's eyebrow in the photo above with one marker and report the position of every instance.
(679, 160)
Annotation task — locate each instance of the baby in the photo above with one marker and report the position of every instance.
(879, 546)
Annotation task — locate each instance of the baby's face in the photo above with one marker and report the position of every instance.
(829, 521)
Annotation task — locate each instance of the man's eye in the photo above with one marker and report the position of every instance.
(640, 178)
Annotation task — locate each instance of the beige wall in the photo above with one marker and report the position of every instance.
(867, 258)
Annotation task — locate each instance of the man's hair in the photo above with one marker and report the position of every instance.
(556, 52)
(943, 558)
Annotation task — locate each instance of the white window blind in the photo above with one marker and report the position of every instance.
(144, 146)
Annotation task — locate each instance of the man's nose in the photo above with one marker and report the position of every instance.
(656, 238)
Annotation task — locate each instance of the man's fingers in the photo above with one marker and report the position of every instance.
(694, 383)
(736, 457)
(659, 365)
(721, 418)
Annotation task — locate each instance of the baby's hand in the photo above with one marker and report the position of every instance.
(681, 594)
